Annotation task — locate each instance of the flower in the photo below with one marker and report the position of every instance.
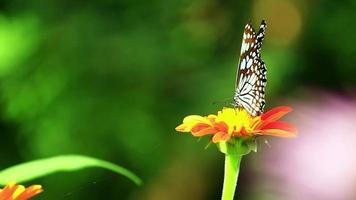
(12, 191)
(237, 122)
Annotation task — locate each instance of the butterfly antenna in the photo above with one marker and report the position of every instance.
(226, 102)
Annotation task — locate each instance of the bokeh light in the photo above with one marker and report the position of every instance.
(284, 17)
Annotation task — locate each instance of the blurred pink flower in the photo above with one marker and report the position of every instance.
(320, 163)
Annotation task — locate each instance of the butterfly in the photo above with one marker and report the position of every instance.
(251, 74)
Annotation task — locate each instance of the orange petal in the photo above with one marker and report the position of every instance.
(204, 131)
(191, 121)
(220, 136)
(200, 126)
(7, 192)
(276, 113)
(30, 192)
(280, 125)
(180, 128)
(277, 133)
(279, 129)
(221, 127)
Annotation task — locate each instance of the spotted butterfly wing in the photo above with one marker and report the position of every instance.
(251, 74)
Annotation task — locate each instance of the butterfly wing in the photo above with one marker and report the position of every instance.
(251, 75)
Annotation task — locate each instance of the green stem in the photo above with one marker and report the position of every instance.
(232, 168)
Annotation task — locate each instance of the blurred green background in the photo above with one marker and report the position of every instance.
(112, 79)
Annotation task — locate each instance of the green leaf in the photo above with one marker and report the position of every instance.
(42, 167)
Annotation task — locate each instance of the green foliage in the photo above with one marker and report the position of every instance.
(18, 38)
(64, 163)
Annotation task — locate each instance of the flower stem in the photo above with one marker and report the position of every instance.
(232, 168)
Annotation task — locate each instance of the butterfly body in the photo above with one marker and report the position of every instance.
(251, 74)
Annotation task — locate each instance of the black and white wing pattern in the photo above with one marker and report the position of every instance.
(251, 74)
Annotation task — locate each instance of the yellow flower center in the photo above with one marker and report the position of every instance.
(235, 119)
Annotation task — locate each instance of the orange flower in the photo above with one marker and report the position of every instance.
(13, 191)
(237, 122)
